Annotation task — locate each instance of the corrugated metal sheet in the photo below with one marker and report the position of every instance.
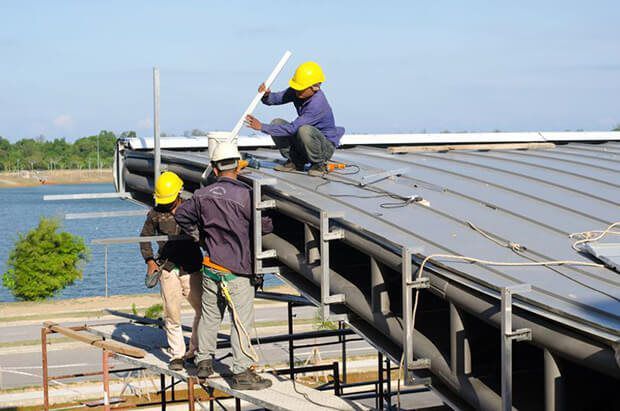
(535, 198)
(609, 253)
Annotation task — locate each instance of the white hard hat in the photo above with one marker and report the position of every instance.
(225, 151)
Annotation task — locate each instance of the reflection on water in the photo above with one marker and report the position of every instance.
(22, 207)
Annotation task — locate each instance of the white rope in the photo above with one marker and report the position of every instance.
(594, 235)
(237, 323)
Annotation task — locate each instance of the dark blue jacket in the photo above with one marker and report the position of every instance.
(221, 213)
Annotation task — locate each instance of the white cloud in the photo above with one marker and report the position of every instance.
(64, 121)
(145, 123)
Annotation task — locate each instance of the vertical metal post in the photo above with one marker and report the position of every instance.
(326, 237)
(337, 387)
(460, 353)
(157, 149)
(172, 389)
(237, 404)
(291, 354)
(257, 215)
(190, 393)
(379, 404)
(343, 338)
(46, 398)
(407, 304)
(507, 336)
(105, 268)
(162, 384)
(554, 383)
(379, 297)
(388, 368)
(106, 381)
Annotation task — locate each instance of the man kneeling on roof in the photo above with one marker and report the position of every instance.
(313, 136)
(176, 267)
(221, 215)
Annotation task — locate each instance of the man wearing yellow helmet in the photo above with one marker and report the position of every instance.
(177, 267)
(313, 136)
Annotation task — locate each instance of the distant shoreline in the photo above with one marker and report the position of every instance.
(27, 178)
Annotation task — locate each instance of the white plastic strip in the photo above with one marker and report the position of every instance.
(254, 103)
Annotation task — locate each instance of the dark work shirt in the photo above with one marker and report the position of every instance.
(314, 111)
(221, 214)
(184, 254)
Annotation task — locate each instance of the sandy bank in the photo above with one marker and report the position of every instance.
(27, 178)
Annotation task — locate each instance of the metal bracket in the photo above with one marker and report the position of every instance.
(408, 284)
(373, 178)
(508, 335)
(258, 206)
(327, 236)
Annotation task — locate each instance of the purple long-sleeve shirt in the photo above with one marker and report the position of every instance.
(314, 111)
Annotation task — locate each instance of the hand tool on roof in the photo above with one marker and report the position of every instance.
(254, 103)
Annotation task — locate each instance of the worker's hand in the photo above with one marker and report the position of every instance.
(262, 88)
(151, 267)
(253, 122)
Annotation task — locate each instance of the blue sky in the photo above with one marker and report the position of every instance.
(72, 68)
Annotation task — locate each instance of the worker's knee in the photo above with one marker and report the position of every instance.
(306, 133)
(278, 122)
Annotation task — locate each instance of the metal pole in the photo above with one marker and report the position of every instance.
(106, 382)
(291, 354)
(379, 403)
(554, 383)
(105, 269)
(190, 394)
(460, 353)
(162, 383)
(343, 338)
(388, 368)
(157, 149)
(46, 398)
(506, 327)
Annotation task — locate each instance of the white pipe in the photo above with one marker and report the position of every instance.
(157, 149)
(254, 103)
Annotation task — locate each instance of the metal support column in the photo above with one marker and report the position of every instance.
(507, 336)
(380, 300)
(311, 244)
(191, 405)
(156, 146)
(46, 387)
(388, 368)
(409, 284)
(460, 353)
(343, 341)
(379, 402)
(291, 348)
(258, 206)
(162, 383)
(554, 383)
(326, 237)
(106, 380)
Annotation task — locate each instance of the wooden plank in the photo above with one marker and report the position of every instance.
(438, 148)
(96, 341)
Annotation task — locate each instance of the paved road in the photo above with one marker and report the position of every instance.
(20, 369)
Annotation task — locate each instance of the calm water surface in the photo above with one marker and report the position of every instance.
(22, 208)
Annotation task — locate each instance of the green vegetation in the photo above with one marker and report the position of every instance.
(154, 312)
(41, 154)
(44, 261)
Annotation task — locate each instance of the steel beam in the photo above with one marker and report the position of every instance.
(460, 352)
(85, 196)
(326, 237)
(145, 239)
(554, 383)
(507, 336)
(258, 206)
(380, 300)
(106, 214)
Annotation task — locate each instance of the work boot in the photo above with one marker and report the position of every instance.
(205, 368)
(176, 364)
(317, 170)
(249, 380)
(288, 166)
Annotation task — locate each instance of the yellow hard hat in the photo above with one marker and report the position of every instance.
(167, 188)
(306, 75)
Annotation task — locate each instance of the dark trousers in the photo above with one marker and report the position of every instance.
(308, 145)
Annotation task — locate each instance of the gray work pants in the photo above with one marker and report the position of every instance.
(213, 307)
(309, 145)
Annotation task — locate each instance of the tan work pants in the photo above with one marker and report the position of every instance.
(174, 289)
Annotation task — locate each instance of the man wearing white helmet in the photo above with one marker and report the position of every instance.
(220, 214)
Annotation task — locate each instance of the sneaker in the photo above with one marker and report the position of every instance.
(205, 368)
(317, 170)
(288, 166)
(176, 364)
(249, 380)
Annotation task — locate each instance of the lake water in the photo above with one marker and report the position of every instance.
(22, 207)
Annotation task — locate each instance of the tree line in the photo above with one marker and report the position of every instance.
(42, 154)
